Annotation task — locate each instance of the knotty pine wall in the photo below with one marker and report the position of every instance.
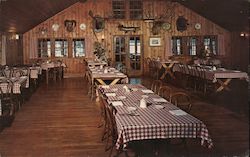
(11, 49)
(79, 12)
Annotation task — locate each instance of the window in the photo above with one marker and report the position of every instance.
(176, 45)
(192, 48)
(134, 9)
(78, 47)
(61, 48)
(210, 42)
(44, 48)
(118, 9)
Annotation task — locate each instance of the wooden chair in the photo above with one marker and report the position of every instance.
(182, 100)
(103, 115)
(112, 134)
(7, 105)
(165, 92)
(148, 67)
(156, 85)
(204, 84)
(17, 73)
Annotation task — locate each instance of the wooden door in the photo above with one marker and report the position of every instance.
(128, 54)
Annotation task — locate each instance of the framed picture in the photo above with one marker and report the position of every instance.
(155, 42)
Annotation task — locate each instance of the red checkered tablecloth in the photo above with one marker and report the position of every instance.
(152, 123)
(214, 75)
(18, 83)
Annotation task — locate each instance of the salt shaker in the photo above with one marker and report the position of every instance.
(143, 103)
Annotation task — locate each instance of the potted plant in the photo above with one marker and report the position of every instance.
(99, 52)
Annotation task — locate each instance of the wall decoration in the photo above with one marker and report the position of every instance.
(98, 22)
(197, 26)
(154, 41)
(128, 29)
(83, 26)
(70, 25)
(55, 27)
(166, 26)
(181, 24)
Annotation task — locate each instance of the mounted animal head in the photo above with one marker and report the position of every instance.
(70, 25)
(157, 25)
(98, 22)
(181, 24)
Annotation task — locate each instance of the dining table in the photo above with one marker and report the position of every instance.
(92, 63)
(159, 120)
(105, 76)
(55, 66)
(220, 76)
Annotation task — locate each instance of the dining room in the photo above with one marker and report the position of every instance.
(134, 78)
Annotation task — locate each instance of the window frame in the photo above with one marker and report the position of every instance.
(44, 49)
(74, 47)
(64, 49)
(127, 10)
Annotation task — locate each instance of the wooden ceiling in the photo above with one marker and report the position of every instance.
(21, 15)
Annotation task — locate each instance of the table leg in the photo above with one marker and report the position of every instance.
(114, 81)
(167, 69)
(223, 84)
(47, 76)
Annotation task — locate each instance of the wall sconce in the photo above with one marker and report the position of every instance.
(17, 37)
(244, 34)
(14, 37)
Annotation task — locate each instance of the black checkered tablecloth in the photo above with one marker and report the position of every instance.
(152, 123)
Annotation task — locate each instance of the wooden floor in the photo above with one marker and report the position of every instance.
(60, 120)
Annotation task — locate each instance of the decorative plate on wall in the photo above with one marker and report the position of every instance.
(166, 26)
(55, 27)
(197, 26)
(83, 26)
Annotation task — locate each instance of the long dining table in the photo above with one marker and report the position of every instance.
(220, 76)
(160, 120)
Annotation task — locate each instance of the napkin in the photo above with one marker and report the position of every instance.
(159, 100)
(117, 103)
(147, 91)
(177, 112)
(110, 94)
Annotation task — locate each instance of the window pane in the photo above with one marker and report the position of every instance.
(135, 7)
(44, 48)
(118, 7)
(192, 50)
(61, 48)
(78, 47)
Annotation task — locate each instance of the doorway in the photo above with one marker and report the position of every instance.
(128, 54)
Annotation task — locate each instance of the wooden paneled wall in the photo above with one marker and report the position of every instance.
(12, 49)
(79, 12)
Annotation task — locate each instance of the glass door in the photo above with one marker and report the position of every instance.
(127, 50)
(134, 55)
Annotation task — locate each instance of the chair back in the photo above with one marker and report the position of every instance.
(182, 100)
(156, 85)
(165, 92)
